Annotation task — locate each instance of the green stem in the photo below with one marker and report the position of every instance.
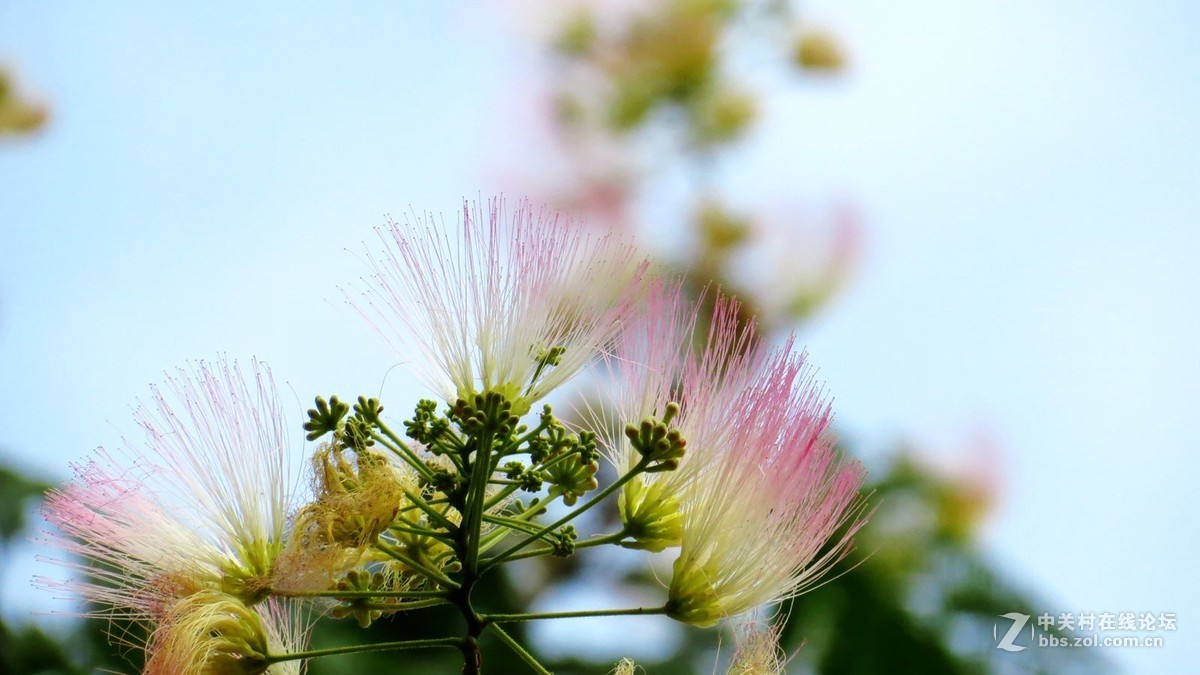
(514, 448)
(418, 566)
(638, 468)
(520, 651)
(595, 541)
(420, 532)
(481, 471)
(500, 496)
(374, 647)
(368, 594)
(511, 523)
(512, 618)
(532, 511)
(429, 510)
(401, 448)
(450, 451)
(470, 502)
(493, 538)
(406, 606)
(449, 445)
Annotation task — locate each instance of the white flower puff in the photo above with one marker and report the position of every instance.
(516, 304)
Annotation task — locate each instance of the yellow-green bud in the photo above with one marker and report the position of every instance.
(650, 515)
(818, 50)
(691, 598)
(209, 633)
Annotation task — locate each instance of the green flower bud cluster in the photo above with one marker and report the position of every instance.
(657, 441)
(353, 433)
(364, 609)
(555, 440)
(325, 418)
(401, 526)
(530, 480)
(549, 357)
(571, 477)
(489, 411)
(440, 480)
(426, 426)
(569, 461)
(357, 434)
(564, 541)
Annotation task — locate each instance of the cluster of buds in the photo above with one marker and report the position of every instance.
(655, 441)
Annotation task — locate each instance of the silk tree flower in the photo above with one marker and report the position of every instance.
(661, 360)
(515, 304)
(209, 633)
(775, 509)
(200, 505)
(358, 496)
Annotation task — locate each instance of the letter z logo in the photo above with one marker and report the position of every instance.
(1006, 643)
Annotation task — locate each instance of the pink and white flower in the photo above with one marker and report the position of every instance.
(775, 508)
(760, 489)
(201, 504)
(660, 361)
(517, 303)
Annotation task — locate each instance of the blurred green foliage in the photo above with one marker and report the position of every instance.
(25, 648)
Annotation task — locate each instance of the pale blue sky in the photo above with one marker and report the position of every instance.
(1029, 174)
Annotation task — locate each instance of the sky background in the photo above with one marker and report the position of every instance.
(1028, 172)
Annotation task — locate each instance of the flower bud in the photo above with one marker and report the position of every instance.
(820, 51)
(650, 515)
(209, 633)
(692, 598)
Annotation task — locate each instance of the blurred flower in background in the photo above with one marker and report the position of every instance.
(19, 115)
